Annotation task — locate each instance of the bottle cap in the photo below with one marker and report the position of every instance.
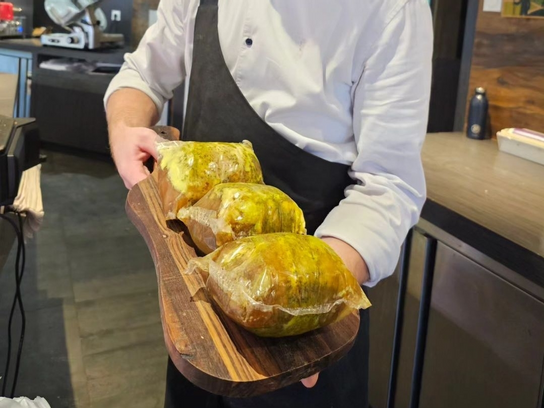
(480, 90)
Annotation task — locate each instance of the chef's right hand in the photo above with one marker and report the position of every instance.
(131, 147)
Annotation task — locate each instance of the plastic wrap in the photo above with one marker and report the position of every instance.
(186, 171)
(235, 210)
(280, 284)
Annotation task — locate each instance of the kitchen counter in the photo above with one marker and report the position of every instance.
(67, 105)
(499, 191)
(465, 305)
(491, 200)
(34, 46)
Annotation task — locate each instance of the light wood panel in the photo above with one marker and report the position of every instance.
(8, 89)
(496, 190)
(140, 18)
(508, 60)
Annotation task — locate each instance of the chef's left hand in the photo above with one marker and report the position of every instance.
(357, 266)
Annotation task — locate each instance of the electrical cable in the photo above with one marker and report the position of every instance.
(21, 309)
(17, 300)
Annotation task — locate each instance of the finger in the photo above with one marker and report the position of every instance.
(134, 176)
(310, 381)
(147, 144)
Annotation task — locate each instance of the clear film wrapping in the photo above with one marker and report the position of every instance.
(235, 210)
(186, 171)
(280, 284)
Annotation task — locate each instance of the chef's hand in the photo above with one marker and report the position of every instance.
(130, 112)
(310, 381)
(357, 266)
(131, 147)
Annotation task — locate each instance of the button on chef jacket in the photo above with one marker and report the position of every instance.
(345, 80)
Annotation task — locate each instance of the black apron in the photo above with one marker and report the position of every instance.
(218, 111)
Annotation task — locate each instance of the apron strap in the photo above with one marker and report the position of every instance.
(208, 2)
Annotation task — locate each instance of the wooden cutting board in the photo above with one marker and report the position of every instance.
(207, 348)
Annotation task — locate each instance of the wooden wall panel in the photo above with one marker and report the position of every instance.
(140, 18)
(508, 60)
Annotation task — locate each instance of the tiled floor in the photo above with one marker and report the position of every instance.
(93, 338)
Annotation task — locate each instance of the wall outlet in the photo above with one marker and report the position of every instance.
(116, 15)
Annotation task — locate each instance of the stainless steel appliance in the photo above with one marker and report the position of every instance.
(85, 23)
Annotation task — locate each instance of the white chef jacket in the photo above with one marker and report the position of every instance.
(345, 80)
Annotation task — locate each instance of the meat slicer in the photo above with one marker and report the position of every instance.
(85, 23)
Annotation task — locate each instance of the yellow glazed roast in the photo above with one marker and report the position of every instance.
(235, 210)
(280, 284)
(186, 171)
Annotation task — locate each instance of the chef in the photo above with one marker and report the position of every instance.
(334, 96)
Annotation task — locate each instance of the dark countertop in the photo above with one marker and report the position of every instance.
(74, 81)
(34, 46)
(491, 200)
(93, 83)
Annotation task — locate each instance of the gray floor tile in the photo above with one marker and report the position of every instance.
(51, 232)
(106, 283)
(46, 280)
(127, 368)
(120, 312)
(110, 267)
(76, 203)
(110, 253)
(113, 223)
(146, 395)
(122, 337)
(51, 364)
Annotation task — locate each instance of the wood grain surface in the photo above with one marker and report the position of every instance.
(496, 190)
(209, 349)
(140, 18)
(8, 90)
(508, 60)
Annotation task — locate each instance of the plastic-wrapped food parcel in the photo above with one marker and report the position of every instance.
(274, 284)
(186, 171)
(235, 210)
(280, 284)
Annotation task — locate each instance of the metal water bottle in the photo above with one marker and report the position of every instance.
(477, 115)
